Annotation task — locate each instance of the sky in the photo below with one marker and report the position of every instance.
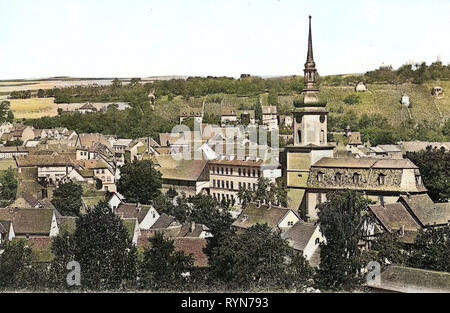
(142, 38)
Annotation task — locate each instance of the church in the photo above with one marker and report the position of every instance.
(312, 170)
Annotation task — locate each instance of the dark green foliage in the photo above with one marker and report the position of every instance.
(102, 246)
(6, 114)
(258, 112)
(258, 258)
(432, 250)
(162, 266)
(8, 181)
(341, 221)
(67, 199)
(434, 165)
(139, 182)
(266, 192)
(17, 268)
(389, 249)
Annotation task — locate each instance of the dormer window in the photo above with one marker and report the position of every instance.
(338, 177)
(419, 180)
(320, 176)
(381, 179)
(356, 178)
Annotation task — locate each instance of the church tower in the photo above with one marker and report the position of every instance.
(310, 136)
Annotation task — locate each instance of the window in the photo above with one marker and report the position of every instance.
(254, 187)
(227, 184)
(231, 171)
(381, 199)
(259, 173)
(320, 176)
(317, 241)
(239, 171)
(254, 173)
(226, 170)
(214, 183)
(356, 178)
(322, 119)
(299, 136)
(381, 179)
(232, 185)
(290, 223)
(419, 180)
(221, 170)
(243, 172)
(240, 185)
(223, 184)
(338, 177)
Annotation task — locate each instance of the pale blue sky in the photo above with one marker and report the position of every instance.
(127, 38)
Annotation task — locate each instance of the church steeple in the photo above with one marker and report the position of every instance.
(310, 58)
(311, 75)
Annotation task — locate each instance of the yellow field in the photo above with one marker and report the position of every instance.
(34, 107)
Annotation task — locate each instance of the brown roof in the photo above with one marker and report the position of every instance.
(299, 235)
(189, 170)
(44, 160)
(393, 216)
(264, 214)
(94, 164)
(29, 221)
(88, 140)
(228, 111)
(426, 211)
(163, 221)
(194, 247)
(193, 230)
(133, 210)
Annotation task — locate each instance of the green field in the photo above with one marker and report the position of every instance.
(383, 99)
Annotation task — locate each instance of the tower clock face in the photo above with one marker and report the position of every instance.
(322, 118)
(299, 118)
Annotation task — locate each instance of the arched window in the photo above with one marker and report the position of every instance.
(322, 119)
(317, 241)
(338, 177)
(299, 136)
(299, 118)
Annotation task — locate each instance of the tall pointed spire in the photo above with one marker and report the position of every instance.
(311, 75)
(310, 57)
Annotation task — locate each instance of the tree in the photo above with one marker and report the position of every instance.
(10, 117)
(258, 111)
(67, 199)
(162, 266)
(8, 181)
(18, 268)
(432, 250)
(139, 182)
(341, 221)
(389, 249)
(258, 258)
(41, 93)
(434, 165)
(266, 192)
(102, 246)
